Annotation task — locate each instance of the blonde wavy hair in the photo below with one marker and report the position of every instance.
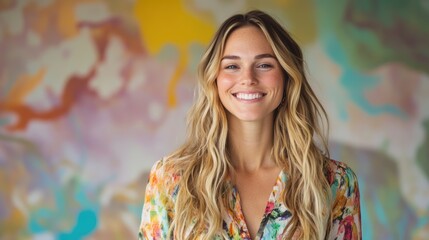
(300, 147)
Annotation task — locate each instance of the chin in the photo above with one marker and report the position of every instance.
(249, 117)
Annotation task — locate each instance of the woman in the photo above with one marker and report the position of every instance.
(251, 167)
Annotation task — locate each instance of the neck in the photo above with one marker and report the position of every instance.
(250, 144)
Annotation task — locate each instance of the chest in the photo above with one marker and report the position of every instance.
(255, 195)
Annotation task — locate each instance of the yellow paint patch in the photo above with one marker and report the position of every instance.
(169, 22)
(301, 16)
(180, 69)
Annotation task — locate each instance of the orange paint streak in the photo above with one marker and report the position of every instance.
(40, 17)
(103, 32)
(23, 87)
(75, 85)
(60, 15)
(65, 18)
(51, 18)
(67, 22)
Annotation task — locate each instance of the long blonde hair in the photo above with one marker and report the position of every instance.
(203, 160)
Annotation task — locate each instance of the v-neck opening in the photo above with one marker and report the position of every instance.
(269, 207)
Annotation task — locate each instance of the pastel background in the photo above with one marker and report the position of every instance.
(93, 92)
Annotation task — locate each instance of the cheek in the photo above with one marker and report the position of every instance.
(274, 80)
(223, 83)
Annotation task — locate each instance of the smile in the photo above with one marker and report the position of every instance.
(248, 96)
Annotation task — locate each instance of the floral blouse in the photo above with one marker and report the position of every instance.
(162, 189)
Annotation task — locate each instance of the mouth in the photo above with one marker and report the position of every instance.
(248, 96)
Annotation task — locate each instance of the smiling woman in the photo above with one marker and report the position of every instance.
(250, 80)
(250, 167)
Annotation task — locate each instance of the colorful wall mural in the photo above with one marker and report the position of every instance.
(93, 92)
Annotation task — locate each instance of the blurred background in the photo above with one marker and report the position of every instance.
(93, 92)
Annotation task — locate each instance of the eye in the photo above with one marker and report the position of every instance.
(265, 66)
(231, 66)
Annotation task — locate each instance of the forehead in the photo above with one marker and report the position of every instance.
(247, 39)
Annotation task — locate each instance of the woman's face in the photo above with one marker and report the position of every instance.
(250, 80)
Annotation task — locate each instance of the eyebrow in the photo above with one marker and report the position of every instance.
(260, 56)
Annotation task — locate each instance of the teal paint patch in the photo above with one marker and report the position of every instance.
(86, 223)
(334, 50)
(352, 38)
(33, 223)
(342, 111)
(367, 231)
(402, 228)
(422, 222)
(337, 56)
(376, 33)
(334, 188)
(357, 84)
(135, 209)
(4, 122)
(423, 151)
(379, 211)
(60, 218)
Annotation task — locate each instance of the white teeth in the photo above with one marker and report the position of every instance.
(249, 96)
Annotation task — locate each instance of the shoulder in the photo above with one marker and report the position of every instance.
(340, 176)
(164, 176)
(345, 213)
(158, 207)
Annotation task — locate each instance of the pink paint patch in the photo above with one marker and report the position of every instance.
(397, 87)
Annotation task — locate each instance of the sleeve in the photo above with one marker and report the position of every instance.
(346, 216)
(157, 206)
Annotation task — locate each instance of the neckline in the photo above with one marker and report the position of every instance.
(238, 215)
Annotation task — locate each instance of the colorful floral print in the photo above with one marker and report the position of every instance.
(161, 193)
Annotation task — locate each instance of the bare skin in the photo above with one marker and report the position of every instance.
(255, 173)
(250, 85)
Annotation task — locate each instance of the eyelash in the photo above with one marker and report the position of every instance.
(231, 67)
(264, 65)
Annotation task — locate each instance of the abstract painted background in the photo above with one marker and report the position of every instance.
(93, 92)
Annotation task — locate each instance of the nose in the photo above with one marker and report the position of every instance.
(248, 76)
